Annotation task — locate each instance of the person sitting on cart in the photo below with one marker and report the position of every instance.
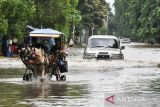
(58, 50)
(57, 56)
(56, 47)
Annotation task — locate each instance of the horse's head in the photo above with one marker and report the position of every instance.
(38, 55)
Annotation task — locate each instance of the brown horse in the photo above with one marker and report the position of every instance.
(39, 63)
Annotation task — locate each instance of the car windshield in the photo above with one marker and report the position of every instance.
(102, 42)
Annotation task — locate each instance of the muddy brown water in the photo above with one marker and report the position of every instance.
(87, 86)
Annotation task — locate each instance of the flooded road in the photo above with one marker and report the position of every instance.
(89, 81)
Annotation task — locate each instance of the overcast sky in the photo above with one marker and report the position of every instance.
(111, 4)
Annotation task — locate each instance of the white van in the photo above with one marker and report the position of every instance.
(103, 47)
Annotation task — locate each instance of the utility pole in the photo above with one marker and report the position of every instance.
(107, 24)
(92, 30)
(41, 21)
(73, 33)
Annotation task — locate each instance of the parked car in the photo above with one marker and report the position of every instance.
(103, 47)
(126, 40)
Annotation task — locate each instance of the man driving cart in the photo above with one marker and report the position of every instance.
(46, 43)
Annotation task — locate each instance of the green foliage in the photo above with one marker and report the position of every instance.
(74, 16)
(56, 14)
(14, 16)
(62, 15)
(138, 18)
(102, 31)
(3, 24)
(112, 26)
(94, 12)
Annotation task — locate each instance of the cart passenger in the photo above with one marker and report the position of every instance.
(58, 50)
(57, 47)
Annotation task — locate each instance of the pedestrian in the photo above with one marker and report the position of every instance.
(71, 43)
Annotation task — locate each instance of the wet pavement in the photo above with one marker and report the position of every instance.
(88, 81)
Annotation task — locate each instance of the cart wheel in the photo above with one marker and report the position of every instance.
(63, 78)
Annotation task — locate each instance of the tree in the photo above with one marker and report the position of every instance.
(3, 25)
(111, 22)
(56, 14)
(93, 12)
(73, 17)
(15, 15)
(138, 18)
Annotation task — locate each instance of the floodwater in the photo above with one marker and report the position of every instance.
(89, 81)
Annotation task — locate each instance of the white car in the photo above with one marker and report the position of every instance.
(103, 47)
(126, 40)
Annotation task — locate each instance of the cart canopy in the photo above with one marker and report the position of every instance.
(46, 33)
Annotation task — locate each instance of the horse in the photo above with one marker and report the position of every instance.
(40, 63)
(35, 62)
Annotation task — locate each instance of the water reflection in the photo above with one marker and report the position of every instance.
(36, 91)
(56, 94)
(10, 94)
(45, 90)
(155, 86)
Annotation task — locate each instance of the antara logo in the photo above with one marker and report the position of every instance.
(111, 99)
(125, 99)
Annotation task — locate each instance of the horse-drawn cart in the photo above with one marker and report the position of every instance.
(44, 55)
